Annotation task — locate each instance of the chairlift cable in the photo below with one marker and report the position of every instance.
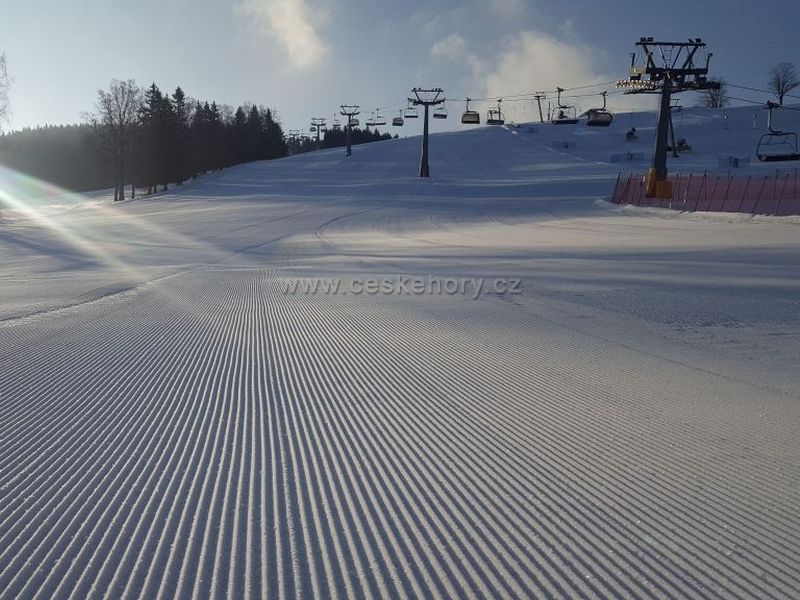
(752, 89)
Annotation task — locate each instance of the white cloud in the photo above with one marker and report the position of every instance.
(292, 23)
(532, 61)
(453, 47)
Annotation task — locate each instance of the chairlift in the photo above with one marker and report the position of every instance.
(411, 113)
(599, 117)
(776, 145)
(494, 116)
(336, 125)
(564, 114)
(398, 121)
(440, 113)
(377, 119)
(354, 122)
(470, 117)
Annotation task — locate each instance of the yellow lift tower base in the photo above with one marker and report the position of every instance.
(661, 189)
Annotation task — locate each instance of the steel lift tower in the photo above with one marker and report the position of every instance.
(668, 68)
(350, 111)
(426, 98)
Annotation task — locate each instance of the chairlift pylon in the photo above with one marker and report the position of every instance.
(776, 145)
(564, 114)
(599, 117)
(470, 117)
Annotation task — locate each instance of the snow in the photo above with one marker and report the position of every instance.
(172, 424)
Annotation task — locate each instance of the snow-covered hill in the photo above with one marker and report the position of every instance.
(176, 422)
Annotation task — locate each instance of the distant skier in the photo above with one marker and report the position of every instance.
(632, 134)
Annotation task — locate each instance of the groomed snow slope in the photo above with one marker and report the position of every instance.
(172, 424)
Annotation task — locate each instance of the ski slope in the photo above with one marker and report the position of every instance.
(174, 424)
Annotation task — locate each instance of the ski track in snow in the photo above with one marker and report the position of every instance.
(206, 435)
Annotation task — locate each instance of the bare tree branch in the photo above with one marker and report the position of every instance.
(114, 122)
(783, 79)
(5, 86)
(714, 97)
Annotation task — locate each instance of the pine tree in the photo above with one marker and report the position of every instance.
(239, 137)
(216, 138)
(150, 139)
(180, 137)
(255, 147)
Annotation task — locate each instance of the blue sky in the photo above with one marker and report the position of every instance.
(305, 57)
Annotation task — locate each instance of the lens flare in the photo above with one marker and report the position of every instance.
(92, 230)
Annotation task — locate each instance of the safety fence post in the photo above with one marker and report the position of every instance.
(686, 193)
(727, 192)
(701, 190)
(713, 191)
(782, 194)
(761, 190)
(744, 195)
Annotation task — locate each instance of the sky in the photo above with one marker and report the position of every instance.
(306, 57)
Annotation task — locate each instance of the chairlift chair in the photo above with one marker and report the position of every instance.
(440, 113)
(494, 116)
(564, 114)
(398, 120)
(377, 119)
(470, 117)
(354, 122)
(599, 117)
(776, 145)
(411, 113)
(336, 125)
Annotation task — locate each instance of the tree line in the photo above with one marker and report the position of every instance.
(150, 139)
(145, 139)
(57, 154)
(335, 138)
